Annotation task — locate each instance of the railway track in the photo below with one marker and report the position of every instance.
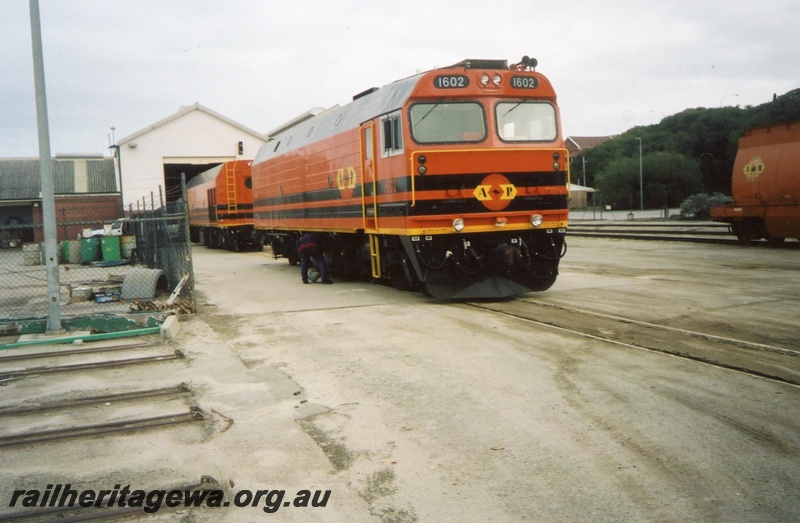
(695, 232)
(124, 409)
(125, 399)
(63, 403)
(774, 363)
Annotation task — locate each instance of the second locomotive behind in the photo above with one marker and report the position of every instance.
(221, 208)
(453, 182)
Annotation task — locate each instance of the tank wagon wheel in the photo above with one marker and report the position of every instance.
(775, 241)
(746, 232)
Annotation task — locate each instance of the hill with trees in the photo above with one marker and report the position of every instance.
(688, 153)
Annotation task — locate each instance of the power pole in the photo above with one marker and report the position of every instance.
(641, 185)
(46, 175)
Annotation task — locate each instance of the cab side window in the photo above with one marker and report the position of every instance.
(391, 135)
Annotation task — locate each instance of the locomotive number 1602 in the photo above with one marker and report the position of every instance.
(524, 82)
(450, 81)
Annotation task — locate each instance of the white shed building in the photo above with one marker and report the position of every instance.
(194, 139)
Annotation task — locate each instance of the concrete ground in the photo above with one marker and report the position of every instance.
(409, 410)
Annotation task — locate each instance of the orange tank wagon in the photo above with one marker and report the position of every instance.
(765, 185)
(221, 207)
(453, 182)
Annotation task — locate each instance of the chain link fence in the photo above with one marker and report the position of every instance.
(107, 264)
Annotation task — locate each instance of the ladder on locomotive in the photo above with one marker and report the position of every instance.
(230, 188)
(375, 255)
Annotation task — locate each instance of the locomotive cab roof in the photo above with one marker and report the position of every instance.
(373, 102)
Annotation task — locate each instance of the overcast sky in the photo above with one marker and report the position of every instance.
(615, 65)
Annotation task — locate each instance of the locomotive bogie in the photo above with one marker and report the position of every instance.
(449, 266)
(242, 238)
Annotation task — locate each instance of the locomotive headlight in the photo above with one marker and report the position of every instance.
(422, 159)
(422, 169)
(484, 79)
(458, 224)
(536, 220)
(497, 79)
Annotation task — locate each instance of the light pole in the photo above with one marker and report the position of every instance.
(118, 167)
(721, 100)
(641, 185)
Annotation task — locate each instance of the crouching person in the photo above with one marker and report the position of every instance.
(309, 247)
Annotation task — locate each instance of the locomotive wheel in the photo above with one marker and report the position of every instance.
(288, 247)
(399, 278)
(402, 274)
(424, 290)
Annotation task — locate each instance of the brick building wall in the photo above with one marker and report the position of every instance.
(75, 212)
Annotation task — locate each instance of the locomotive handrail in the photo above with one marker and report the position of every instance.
(413, 184)
(362, 150)
(374, 188)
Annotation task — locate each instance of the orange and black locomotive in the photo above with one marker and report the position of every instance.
(453, 182)
(221, 208)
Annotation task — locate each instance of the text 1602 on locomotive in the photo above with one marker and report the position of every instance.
(453, 182)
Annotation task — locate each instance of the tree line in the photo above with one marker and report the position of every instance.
(688, 153)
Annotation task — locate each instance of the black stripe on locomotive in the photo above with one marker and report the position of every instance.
(462, 183)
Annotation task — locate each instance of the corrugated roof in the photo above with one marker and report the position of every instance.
(19, 177)
(583, 143)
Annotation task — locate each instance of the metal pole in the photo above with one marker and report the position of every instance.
(584, 170)
(46, 175)
(118, 158)
(641, 186)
